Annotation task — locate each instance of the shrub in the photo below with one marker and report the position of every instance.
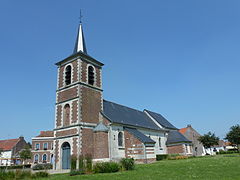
(19, 174)
(106, 167)
(16, 166)
(176, 157)
(160, 157)
(42, 166)
(4, 175)
(76, 172)
(88, 162)
(127, 163)
(81, 163)
(41, 174)
(73, 162)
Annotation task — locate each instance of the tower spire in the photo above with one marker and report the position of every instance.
(80, 42)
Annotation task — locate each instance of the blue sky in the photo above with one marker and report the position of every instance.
(178, 58)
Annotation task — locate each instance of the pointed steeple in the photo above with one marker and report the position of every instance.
(80, 42)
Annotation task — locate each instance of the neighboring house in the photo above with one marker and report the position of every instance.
(179, 144)
(229, 147)
(42, 148)
(216, 148)
(193, 135)
(10, 151)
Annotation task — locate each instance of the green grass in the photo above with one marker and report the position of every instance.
(213, 168)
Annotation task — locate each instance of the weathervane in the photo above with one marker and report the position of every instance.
(80, 17)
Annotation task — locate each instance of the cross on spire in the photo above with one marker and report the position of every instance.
(80, 17)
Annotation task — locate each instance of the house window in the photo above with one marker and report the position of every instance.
(68, 73)
(44, 158)
(66, 115)
(37, 146)
(91, 75)
(45, 146)
(120, 139)
(36, 157)
(159, 142)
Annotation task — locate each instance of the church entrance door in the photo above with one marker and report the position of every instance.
(66, 155)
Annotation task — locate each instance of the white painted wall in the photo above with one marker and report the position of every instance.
(5, 158)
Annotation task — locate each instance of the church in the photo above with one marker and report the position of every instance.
(87, 124)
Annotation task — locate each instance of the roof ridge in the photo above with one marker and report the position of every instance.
(124, 106)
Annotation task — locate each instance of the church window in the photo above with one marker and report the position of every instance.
(36, 157)
(90, 75)
(68, 73)
(120, 139)
(66, 115)
(44, 158)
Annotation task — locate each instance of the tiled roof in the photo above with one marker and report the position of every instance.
(144, 139)
(183, 130)
(46, 134)
(176, 137)
(161, 120)
(124, 115)
(8, 144)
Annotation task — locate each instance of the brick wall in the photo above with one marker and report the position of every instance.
(101, 145)
(91, 105)
(74, 111)
(177, 149)
(59, 116)
(66, 132)
(132, 145)
(67, 94)
(75, 71)
(60, 77)
(87, 141)
(74, 146)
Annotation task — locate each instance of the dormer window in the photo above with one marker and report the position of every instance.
(91, 75)
(68, 73)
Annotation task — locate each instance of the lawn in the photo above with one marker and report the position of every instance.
(214, 168)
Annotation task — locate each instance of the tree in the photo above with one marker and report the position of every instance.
(233, 136)
(25, 154)
(1, 151)
(208, 140)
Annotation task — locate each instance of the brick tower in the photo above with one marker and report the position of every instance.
(78, 104)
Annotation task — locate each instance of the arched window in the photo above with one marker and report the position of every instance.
(120, 139)
(66, 115)
(90, 75)
(36, 157)
(68, 73)
(44, 158)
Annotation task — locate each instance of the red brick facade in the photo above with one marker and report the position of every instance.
(87, 141)
(101, 145)
(66, 132)
(67, 94)
(175, 149)
(91, 105)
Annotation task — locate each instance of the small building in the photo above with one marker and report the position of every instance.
(179, 144)
(42, 148)
(193, 135)
(10, 149)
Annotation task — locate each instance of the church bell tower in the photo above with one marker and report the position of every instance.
(78, 104)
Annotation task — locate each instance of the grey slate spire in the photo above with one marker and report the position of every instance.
(80, 42)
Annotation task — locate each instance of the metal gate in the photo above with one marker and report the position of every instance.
(66, 155)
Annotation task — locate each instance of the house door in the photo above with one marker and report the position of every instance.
(66, 155)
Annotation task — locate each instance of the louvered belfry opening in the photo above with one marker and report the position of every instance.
(90, 75)
(68, 75)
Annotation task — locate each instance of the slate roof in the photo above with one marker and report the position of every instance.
(144, 139)
(161, 120)
(175, 136)
(8, 144)
(124, 115)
